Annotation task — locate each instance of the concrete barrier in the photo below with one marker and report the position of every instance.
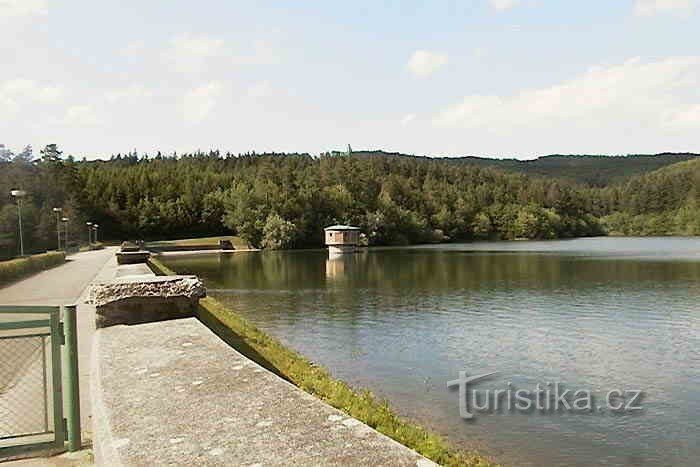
(132, 257)
(143, 298)
(173, 393)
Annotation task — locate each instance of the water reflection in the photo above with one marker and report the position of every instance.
(403, 321)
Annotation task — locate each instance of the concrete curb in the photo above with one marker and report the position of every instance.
(173, 393)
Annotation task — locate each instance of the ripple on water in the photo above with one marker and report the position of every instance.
(598, 314)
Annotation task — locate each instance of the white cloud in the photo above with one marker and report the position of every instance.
(81, 115)
(408, 118)
(31, 90)
(134, 48)
(424, 62)
(199, 46)
(652, 7)
(19, 94)
(263, 54)
(16, 8)
(503, 5)
(653, 94)
(260, 90)
(189, 53)
(199, 102)
(685, 119)
(134, 91)
(480, 52)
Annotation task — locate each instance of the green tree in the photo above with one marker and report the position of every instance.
(278, 233)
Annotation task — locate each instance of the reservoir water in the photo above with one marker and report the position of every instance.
(595, 314)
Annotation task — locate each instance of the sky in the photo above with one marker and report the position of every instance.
(494, 78)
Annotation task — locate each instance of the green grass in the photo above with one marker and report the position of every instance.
(18, 268)
(237, 242)
(362, 405)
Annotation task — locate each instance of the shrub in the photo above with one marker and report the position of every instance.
(16, 269)
(278, 233)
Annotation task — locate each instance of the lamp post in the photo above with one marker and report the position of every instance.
(65, 236)
(19, 194)
(95, 227)
(89, 226)
(58, 212)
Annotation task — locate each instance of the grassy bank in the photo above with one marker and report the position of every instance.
(16, 269)
(205, 242)
(362, 405)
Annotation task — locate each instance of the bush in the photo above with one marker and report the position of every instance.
(278, 233)
(16, 269)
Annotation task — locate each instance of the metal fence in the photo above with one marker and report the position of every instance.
(31, 389)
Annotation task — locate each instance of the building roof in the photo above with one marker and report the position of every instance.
(341, 227)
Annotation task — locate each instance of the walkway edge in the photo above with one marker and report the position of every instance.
(173, 393)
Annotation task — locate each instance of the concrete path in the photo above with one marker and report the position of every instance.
(173, 393)
(60, 285)
(65, 285)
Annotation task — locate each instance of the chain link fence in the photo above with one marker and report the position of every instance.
(25, 386)
(32, 341)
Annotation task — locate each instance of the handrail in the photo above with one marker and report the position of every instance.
(31, 324)
(29, 309)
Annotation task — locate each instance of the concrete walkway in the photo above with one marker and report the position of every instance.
(173, 393)
(60, 285)
(65, 285)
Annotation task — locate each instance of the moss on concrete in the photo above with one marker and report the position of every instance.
(362, 405)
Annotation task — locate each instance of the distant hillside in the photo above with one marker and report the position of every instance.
(596, 171)
(663, 202)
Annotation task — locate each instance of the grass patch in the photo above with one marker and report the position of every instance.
(362, 405)
(16, 269)
(237, 242)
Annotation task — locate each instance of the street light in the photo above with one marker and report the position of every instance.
(58, 212)
(19, 194)
(95, 227)
(65, 237)
(89, 225)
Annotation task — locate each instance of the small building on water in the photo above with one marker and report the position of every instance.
(342, 238)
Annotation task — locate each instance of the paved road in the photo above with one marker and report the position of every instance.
(58, 286)
(65, 285)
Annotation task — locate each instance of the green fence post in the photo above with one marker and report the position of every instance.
(72, 390)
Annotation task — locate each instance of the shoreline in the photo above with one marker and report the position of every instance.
(317, 381)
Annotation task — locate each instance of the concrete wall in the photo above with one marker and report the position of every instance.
(173, 393)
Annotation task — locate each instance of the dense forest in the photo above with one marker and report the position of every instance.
(284, 200)
(663, 202)
(592, 170)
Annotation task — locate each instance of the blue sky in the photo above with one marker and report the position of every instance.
(499, 78)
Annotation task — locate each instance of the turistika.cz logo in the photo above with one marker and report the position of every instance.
(550, 397)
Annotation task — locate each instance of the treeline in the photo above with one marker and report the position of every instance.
(285, 200)
(593, 170)
(663, 202)
(50, 180)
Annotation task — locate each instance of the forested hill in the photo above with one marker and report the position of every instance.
(285, 200)
(663, 202)
(593, 170)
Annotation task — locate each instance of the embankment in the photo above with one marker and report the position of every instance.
(269, 353)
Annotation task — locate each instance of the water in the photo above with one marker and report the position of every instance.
(596, 314)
